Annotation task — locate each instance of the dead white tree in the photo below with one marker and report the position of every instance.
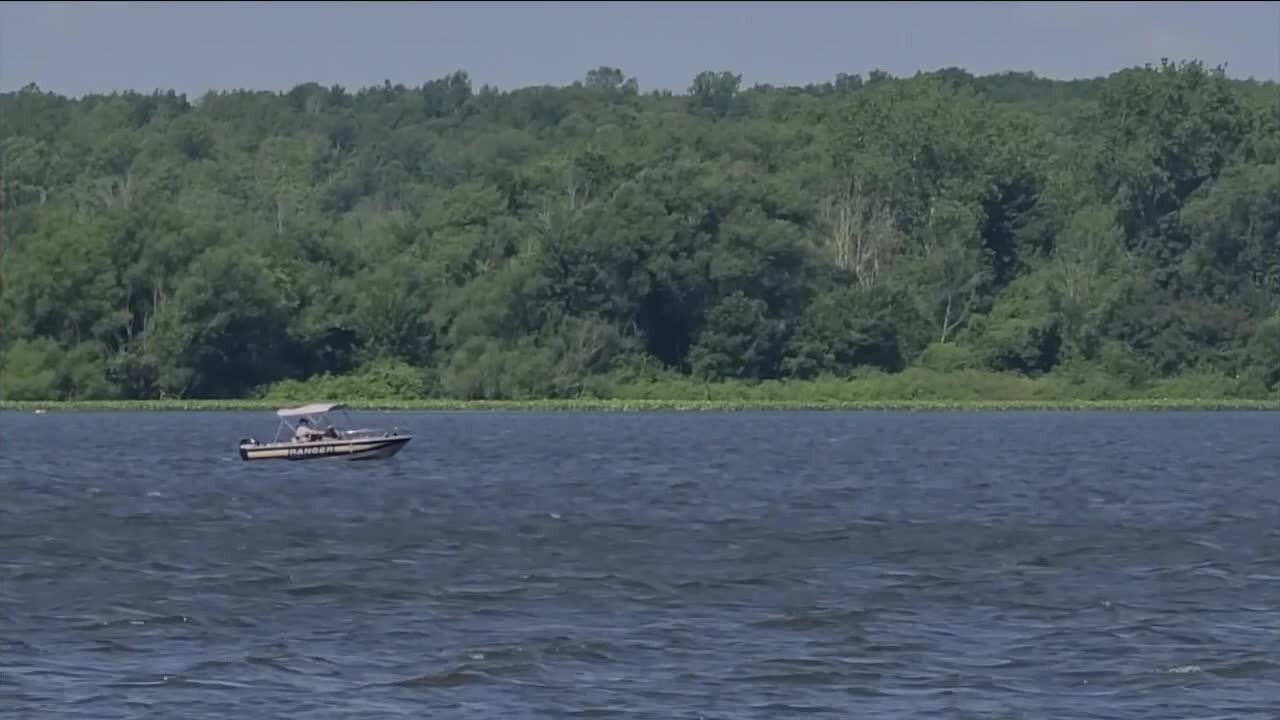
(859, 232)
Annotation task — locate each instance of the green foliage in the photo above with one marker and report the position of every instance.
(844, 329)
(41, 370)
(384, 379)
(944, 357)
(738, 341)
(1022, 333)
(1264, 352)
(942, 236)
(30, 371)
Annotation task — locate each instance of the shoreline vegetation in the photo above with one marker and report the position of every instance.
(938, 241)
(657, 406)
(914, 389)
(596, 405)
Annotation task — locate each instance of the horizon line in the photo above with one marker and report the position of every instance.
(384, 83)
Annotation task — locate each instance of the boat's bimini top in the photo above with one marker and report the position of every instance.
(309, 410)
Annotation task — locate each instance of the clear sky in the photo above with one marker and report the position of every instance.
(79, 47)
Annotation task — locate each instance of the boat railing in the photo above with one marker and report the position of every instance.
(369, 432)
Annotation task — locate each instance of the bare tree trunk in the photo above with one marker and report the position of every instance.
(946, 319)
(583, 347)
(859, 232)
(578, 192)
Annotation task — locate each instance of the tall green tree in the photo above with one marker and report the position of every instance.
(544, 241)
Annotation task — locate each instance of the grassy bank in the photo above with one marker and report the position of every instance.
(601, 405)
(914, 389)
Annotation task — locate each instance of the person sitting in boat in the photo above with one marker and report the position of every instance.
(305, 432)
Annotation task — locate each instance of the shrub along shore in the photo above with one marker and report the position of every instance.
(914, 389)
(598, 405)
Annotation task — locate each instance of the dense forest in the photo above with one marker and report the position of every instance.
(453, 241)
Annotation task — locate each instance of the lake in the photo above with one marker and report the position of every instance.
(647, 565)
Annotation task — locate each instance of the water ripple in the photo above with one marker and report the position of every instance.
(658, 565)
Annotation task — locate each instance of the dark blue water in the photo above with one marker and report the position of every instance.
(753, 565)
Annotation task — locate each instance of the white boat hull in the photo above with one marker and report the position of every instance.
(362, 448)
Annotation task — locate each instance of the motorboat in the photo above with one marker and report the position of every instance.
(321, 439)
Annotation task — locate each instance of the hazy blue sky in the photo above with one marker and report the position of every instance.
(74, 47)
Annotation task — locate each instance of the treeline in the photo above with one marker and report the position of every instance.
(445, 240)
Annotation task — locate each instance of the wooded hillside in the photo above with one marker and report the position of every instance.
(463, 242)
